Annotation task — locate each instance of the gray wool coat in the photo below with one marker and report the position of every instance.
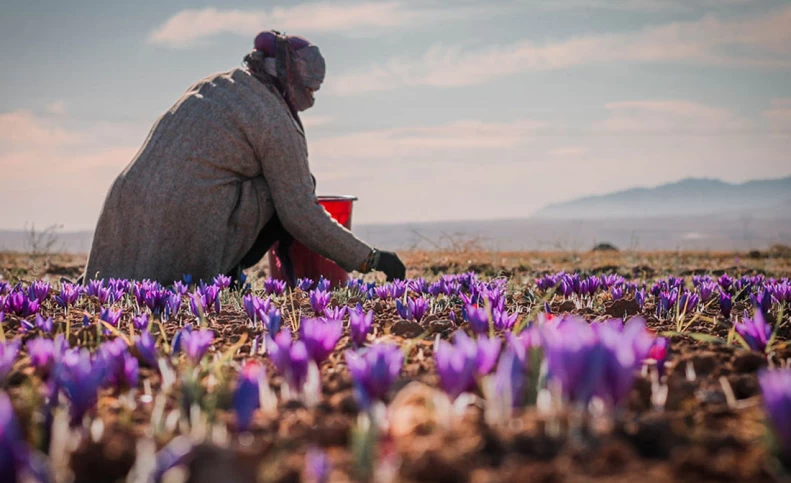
(214, 169)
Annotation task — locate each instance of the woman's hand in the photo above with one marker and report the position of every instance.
(391, 265)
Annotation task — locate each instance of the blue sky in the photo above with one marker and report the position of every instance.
(432, 110)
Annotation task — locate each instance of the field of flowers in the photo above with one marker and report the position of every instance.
(524, 373)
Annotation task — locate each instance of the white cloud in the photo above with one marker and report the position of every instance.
(61, 175)
(778, 116)
(315, 121)
(425, 141)
(669, 117)
(189, 26)
(57, 108)
(643, 5)
(759, 42)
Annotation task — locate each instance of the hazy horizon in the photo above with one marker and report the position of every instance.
(438, 110)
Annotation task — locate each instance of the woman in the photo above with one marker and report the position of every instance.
(223, 175)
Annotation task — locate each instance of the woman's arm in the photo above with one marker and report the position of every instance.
(283, 157)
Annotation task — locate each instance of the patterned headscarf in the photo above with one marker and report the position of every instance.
(293, 61)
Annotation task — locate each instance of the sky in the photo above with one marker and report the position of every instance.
(431, 110)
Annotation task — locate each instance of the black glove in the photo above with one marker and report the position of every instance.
(391, 265)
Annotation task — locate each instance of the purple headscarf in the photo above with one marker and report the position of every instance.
(297, 65)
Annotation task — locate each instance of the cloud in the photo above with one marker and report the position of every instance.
(57, 108)
(425, 141)
(643, 5)
(669, 117)
(60, 175)
(189, 26)
(778, 116)
(762, 41)
(315, 121)
(22, 128)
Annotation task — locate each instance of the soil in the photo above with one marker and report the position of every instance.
(711, 427)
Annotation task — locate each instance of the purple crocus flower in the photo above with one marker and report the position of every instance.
(38, 290)
(319, 299)
(140, 322)
(121, 368)
(8, 353)
(323, 284)
(110, 315)
(320, 337)
(487, 350)
(336, 313)
(246, 397)
(222, 281)
(173, 305)
(290, 358)
(617, 378)
(69, 294)
(762, 300)
(415, 309)
(617, 293)
(272, 321)
(256, 307)
(146, 348)
(575, 359)
(211, 296)
(502, 320)
(273, 286)
(418, 285)
(706, 289)
(374, 370)
(18, 304)
(688, 301)
(725, 282)
(14, 452)
(304, 284)
(360, 324)
(80, 377)
(510, 377)
(456, 367)
(776, 389)
(42, 354)
(195, 343)
(726, 304)
(44, 325)
(180, 288)
(478, 317)
(639, 297)
(755, 332)
(197, 305)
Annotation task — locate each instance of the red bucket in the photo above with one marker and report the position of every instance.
(308, 264)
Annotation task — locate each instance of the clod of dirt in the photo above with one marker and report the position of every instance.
(406, 329)
(623, 308)
(748, 361)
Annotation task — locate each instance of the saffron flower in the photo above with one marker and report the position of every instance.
(246, 398)
(44, 352)
(319, 300)
(487, 352)
(323, 284)
(509, 379)
(706, 289)
(478, 317)
(360, 324)
(140, 322)
(79, 377)
(38, 290)
(69, 294)
(146, 348)
(110, 315)
(456, 367)
(44, 325)
(14, 453)
(19, 304)
(776, 389)
(337, 313)
(756, 332)
(272, 320)
(222, 281)
(290, 358)
(762, 300)
(195, 343)
(726, 305)
(320, 337)
(304, 284)
(210, 295)
(273, 286)
(502, 320)
(256, 307)
(374, 370)
(197, 305)
(8, 353)
(415, 309)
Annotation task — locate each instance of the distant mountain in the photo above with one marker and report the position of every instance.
(768, 198)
